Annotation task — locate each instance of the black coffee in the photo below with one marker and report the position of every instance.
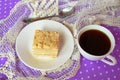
(95, 42)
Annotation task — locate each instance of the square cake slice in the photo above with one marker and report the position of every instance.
(46, 43)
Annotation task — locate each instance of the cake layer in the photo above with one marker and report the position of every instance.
(45, 43)
(43, 51)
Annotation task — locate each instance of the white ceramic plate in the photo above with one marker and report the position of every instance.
(25, 39)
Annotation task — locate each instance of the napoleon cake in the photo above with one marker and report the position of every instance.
(45, 43)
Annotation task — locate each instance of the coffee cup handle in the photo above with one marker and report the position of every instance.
(112, 62)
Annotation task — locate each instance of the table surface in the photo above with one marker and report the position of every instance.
(89, 70)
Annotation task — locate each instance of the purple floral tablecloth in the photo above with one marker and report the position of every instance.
(89, 70)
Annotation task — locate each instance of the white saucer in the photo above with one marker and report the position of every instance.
(24, 43)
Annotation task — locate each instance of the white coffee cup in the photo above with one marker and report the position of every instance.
(87, 55)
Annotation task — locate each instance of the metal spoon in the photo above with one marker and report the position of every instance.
(63, 13)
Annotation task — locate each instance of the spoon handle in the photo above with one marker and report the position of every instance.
(38, 18)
